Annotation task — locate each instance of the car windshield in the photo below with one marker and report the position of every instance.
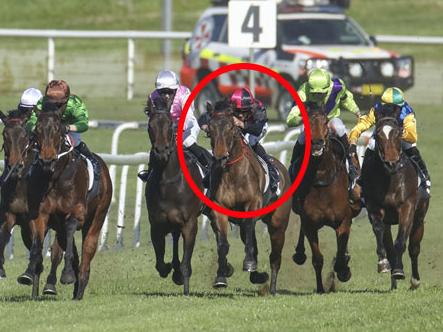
(320, 32)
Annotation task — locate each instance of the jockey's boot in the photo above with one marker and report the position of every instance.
(83, 149)
(203, 156)
(416, 158)
(354, 189)
(145, 174)
(273, 173)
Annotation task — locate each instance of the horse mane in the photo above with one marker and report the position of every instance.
(222, 107)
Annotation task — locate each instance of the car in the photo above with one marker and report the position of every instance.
(308, 36)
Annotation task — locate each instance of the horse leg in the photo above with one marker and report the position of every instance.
(300, 257)
(76, 267)
(250, 261)
(217, 234)
(405, 217)
(414, 250)
(255, 277)
(5, 235)
(317, 257)
(221, 222)
(56, 258)
(189, 232)
(341, 262)
(177, 276)
(158, 241)
(68, 275)
(390, 251)
(277, 236)
(378, 227)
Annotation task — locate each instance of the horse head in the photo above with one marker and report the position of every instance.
(318, 122)
(221, 129)
(15, 140)
(49, 134)
(161, 128)
(388, 140)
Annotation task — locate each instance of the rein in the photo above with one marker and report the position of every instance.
(241, 154)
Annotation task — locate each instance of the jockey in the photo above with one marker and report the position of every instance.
(168, 88)
(74, 117)
(394, 97)
(250, 116)
(321, 88)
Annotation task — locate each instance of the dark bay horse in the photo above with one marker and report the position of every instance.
(390, 188)
(58, 197)
(172, 206)
(238, 183)
(322, 198)
(14, 207)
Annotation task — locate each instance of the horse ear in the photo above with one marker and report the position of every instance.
(209, 108)
(3, 117)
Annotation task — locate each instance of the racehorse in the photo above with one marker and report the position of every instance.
(392, 195)
(172, 206)
(322, 198)
(238, 181)
(58, 195)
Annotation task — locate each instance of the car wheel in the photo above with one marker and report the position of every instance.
(209, 93)
(284, 104)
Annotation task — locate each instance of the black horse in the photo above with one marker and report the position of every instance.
(172, 206)
(390, 188)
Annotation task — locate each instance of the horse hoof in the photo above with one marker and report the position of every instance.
(2, 274)
(177, 278)
(344, 275)
(220, 282)
(67, 278)
(249, 266)
(299, 258)
(415, 283)
(25, 279)
(383, 266)
(258, 277)
(398, 274)
(164, 269)
(230, 271)
(49, 290)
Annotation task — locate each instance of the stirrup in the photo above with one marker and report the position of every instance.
(144, 175)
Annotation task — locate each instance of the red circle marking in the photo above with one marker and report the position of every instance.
(287, 195)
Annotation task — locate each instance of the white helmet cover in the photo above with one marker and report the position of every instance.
(30, 97)
(166, 79)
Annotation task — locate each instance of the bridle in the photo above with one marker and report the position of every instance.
(399, 164)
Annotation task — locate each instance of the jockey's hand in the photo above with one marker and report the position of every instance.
(353, 149)
(238, 122)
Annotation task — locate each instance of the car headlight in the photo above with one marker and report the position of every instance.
(355, 69)
(387, 69)
(317, 63)
(404, 66)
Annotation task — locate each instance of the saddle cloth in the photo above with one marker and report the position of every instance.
(266, 170)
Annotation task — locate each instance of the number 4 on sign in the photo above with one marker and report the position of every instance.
(252, 24)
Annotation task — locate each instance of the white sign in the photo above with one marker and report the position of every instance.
(252, 24)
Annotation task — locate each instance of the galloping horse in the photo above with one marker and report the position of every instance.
(238, 181)
(58, 195)
(322, 198)
(14, 208)
(390, 188)
(172, 206)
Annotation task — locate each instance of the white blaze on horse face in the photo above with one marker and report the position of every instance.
(386, 130)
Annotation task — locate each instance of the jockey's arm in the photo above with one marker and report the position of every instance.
(294, 117)
(364, 123)
(410, 129)
(257, 123)
(30, 124)
(347, 102)
(191, 127)
(77, 109)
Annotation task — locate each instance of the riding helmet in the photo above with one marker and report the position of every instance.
(58, 91)
(393, 96)
(166, 79)
(319, 81)
(242, 99)
(29, 98)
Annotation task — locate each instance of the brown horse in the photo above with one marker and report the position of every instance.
(172, 206)
(322, 198)
(58, 195)
(390, 188)
(238, 182)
